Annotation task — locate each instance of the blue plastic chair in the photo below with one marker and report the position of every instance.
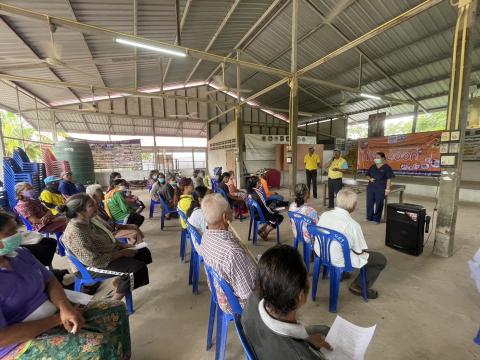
(153, 203)
(83, 277)
(165, 211)
(58, 234)
(247, 348)
(223, 319)
(183, 238)
(325, 237)
(214, 184)
(477, 338)
(299, 221)
(195, 258)
(252, 208)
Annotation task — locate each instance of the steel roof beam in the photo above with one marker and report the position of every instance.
(214, 37)
(124, 91)
(97, 30)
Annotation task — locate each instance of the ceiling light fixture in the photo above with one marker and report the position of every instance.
(370, 96)
(150, 47)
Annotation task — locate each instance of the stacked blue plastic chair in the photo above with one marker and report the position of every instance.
(83, 277)
(223, 319)
(183, 237)
(195, 258)
(214, 184)
(165, 211)
(300, 221)
(247, 348)
(253, 208)
(325, 237)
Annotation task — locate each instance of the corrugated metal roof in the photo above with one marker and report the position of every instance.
(415, 53)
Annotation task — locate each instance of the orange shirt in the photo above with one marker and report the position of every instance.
(265, 187)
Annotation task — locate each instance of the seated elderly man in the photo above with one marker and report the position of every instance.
(339, 219)
(224, 253)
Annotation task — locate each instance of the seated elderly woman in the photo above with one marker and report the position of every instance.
(237, 198)
(96, 248)
(157, 186)
(224, 253)
(37, 321)
(130, 231)
(273, 218)
(270, 319)
(41, 219)
(117, 206)
(301, 206)
(341, 220)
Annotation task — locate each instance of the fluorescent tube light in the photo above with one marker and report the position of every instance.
(370, 96)
(150, 47)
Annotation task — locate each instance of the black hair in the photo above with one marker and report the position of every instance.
(170, 177)
(117, 182)
(252, 183)
(381, 154)
(153, 172)
(4, 219)
(197, 195)
(113, 175)
(300, 191)
(75, 205)
(223, 176)
(281, 278)
(183, 183)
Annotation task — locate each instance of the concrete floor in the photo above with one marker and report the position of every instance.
(428, 306)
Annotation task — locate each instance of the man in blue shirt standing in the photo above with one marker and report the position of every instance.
(66, 187)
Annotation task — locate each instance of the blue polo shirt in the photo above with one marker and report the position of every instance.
(381, 175)
(67, 188)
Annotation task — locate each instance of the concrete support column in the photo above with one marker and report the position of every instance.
(454, 136)
(293, 104)
(415, 118)
(239, 133)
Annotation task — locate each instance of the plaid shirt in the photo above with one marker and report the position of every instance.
(221, 250)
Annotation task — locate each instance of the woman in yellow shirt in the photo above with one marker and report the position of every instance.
(185, 187)
(50, 196)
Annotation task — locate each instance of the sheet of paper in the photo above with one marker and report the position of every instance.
(349, 341)
(78, 297)
(141, 246)
(281, 208)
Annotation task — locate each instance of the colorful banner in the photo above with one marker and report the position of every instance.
(412, 154)
(126, 154)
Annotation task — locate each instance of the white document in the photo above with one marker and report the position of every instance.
(140, 246)
(78, 297)
(349, 341)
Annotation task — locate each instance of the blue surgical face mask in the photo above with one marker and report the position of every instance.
(162, 180)
(10, 244)
(378, 161)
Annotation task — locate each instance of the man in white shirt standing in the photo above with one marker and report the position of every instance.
(339, 219)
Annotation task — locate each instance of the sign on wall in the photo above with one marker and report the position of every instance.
(412, 154)
(472, 145)
(262, 147)
(126, 154)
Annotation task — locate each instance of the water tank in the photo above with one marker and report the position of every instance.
(79, 155)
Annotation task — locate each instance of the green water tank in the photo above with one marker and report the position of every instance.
(79, 155)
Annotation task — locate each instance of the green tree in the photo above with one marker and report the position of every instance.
(398, 126)
(11, 128)
(357, 131)
(431, 122)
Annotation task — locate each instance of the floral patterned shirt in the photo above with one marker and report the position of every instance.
(307, 211)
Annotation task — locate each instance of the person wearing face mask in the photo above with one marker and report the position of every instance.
(223, 252)
(168, 192)
(118, 208)
(152, 178)
(51, 196)
(379, 177)
(157, 186)
(32, 209)
(270, 319)
(38, 321)
(95, 246)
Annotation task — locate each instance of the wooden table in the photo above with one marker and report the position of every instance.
(360, 185)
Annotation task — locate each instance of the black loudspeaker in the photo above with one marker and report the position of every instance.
(405, 228)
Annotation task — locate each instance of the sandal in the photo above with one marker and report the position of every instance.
(371, 294)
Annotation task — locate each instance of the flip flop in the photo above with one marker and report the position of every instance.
(371, 294)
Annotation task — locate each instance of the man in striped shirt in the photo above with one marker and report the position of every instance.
(224, 253)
